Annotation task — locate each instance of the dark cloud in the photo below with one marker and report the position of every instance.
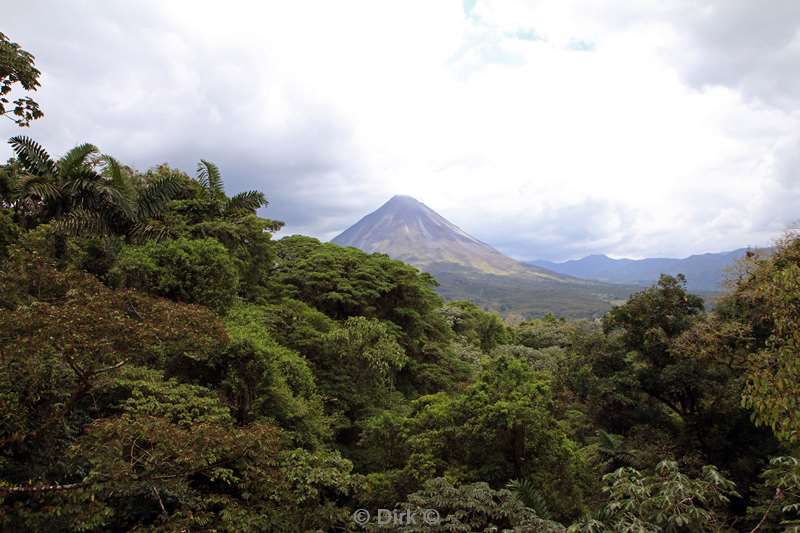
(742, 44)
(132, 82)
(147, 87)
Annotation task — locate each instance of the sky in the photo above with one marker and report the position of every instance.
(550, 129)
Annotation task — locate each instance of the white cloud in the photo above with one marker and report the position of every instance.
(549, 129)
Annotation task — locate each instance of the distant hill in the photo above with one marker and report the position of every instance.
(704, 272)
(467, 268)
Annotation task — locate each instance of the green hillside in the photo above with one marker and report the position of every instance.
(519, 297)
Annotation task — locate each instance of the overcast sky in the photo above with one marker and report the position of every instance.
(549, 129)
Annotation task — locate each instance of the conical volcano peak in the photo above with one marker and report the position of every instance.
(407, 229)
(403, 199)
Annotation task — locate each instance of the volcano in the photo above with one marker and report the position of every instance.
(406, 229)
(469, 269)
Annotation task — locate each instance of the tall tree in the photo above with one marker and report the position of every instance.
(648, 323)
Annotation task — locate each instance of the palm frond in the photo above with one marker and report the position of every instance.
(209, 177)
(149, 232)
(528, 492)
(609, 443)
(33, 157)
(248, 200)
(92, 191)
(42, 187)
(81, 221)
(75, 158)
(115, 199)
(154, 197)
(82, 183)
(119, 178)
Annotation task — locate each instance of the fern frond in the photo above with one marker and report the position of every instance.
(82, 181)
(33, 157)
(83, 186)
(209, 177)
(76, 158)
(248, 201)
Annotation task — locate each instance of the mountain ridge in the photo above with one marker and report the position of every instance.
(704, 272)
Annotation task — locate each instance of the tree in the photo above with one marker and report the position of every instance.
(767, 298)
(17, 66)
(648, 322)
(9, 232)
(203, 210)
(501, 427)
(264, 379)
(778, 507)
(544, 332)
(478, 327)
(167, 457)
(668, 500)
(345, 282)
(357, 371)
(680, 372)
(190, 271)
(84, 192)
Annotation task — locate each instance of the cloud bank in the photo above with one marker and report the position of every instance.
(551, 129)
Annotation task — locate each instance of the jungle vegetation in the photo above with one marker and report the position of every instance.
(166, 365)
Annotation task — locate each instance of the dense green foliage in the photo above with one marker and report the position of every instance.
(166, 365)
(193, 271)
